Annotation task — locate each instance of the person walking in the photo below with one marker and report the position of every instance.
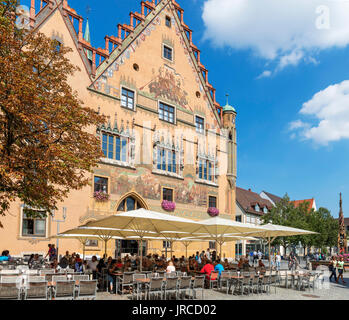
(340, 267)
(333, 268)
(278, 261)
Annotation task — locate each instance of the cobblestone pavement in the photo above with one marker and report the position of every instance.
(329, 291)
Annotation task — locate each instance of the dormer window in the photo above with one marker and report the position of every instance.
(257, 208)
(265, 210)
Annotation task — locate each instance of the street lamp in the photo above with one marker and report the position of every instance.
(58, 222)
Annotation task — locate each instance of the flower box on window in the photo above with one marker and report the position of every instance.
(213, 212)
(168, 205)
(101, 196)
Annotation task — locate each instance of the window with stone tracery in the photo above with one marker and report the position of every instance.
(168, 156)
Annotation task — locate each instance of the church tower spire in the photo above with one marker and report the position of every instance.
(342, 237)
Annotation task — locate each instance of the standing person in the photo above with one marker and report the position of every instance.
(92, 265)
(197, 257)
(333, 268)
(278, 261)
(259, 255)
(340, 267)
(208, 254)
(49, 251)
(170, 268)
(251, 256)
(254, 257)
(214, 255)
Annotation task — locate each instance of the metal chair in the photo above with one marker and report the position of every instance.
(36, 290)
(31, 272)
(10, 272)
(171, 286)
(36, 279)
(155, 287)
(198, 284)
(225, 280)
(87, 289)
(81, 277)
(126, 281)
(46, 271)
(138, 290)
(213, 279)
(10, 291)
(184, 286)
(255, 284)
(264, 285)
(244, 283)
(283, 277)
(59, 278)
(64, 290)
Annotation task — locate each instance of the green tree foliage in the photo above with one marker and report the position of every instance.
(47, 137)
(320, 221)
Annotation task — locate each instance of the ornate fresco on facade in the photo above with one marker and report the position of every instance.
(169, 85)
(149, 187)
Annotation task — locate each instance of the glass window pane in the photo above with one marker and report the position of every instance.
(105, 145)
(130, 204)
(110, 147)
(124, 150)
(40, 226)
(169, 161)
(117, 148)
(28, 226)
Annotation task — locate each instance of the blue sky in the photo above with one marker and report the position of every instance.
(300, 58)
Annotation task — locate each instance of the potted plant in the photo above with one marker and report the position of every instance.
(213, 212)
(101, 196)
(168, 205)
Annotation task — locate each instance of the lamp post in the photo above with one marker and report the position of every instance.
(58, 222)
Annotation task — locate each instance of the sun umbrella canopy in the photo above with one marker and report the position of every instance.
(143, 221)
(273, 230)
(217, 226)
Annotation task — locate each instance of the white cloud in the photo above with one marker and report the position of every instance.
(283, 31)
(264, 74)
(330, 108)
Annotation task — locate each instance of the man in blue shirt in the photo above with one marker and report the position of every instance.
(218, 267)
(5, 256)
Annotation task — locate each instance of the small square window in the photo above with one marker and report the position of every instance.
(166, 113)
(212, 202)
(167, 194)
(91, 243)
(168, 53)
(100, 184)
(199, 123)
(168, 21)
(127, 98)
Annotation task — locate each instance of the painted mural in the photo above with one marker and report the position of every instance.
(169, 85)
(149, 187)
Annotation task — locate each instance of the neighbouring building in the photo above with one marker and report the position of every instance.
(166, 138)
(271, 197)
(311, 203)
(250, 207)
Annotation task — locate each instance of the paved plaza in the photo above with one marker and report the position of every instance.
(333, 292)
(329, 291)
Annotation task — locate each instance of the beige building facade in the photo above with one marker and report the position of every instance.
(166, 138)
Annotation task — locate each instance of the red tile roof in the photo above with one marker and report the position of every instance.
(298, 202)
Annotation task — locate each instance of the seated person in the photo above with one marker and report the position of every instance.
(119, 264)
(261, 264)
(170, 268)
(207, 269)
(4, 256)
(226, 264)
(112, 269)
(218, 267)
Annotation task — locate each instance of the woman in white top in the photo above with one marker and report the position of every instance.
(170, 268)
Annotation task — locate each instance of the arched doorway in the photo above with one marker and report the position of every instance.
(130, 201)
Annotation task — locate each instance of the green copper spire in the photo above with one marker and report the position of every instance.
(87, 38)
(228, 107)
